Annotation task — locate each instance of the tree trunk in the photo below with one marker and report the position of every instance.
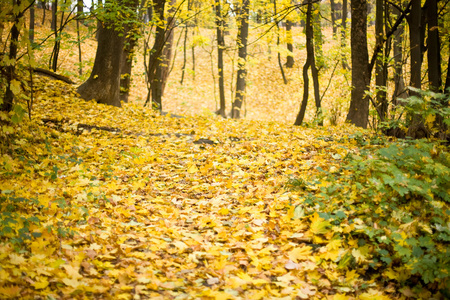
(318, 37)
(434, 48)
(242, 71)
(31, 31)
(399, 83)
(359, 105)
(54, 14)
(380, 70)
(290, 46)
(103, 84)
(10, 70)
(168, 46)
(278, 43)
(183, 68)
(128, 53)
(344, 34)
(155, 60)
(220, 49)
(333, 17)
(415, 27)
(79, 14)
(310, 63)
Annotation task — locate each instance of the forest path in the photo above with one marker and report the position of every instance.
(157, 211)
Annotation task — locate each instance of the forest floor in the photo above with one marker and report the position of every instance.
(122, 203)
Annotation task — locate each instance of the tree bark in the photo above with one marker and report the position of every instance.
(333, 18)
(154, 64)
(278, 43)
(242, 68)
(310, 63)
(359, 105)
(399, 83)
(32, 17)
(344, 34)
(10, 70)
(380, 70)
(54, 14)
(168, 46)
(128, 52)
(103, 85)
(79, 14)
(220, 49)
(415, 28)
(434, 48)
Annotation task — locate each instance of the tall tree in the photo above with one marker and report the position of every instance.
(242, 62)
(220, 49)
(359, 105)
(103, 84)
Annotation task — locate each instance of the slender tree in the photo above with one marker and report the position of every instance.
(275, 12)
(242, 68)
(220, 49)
(310, 63)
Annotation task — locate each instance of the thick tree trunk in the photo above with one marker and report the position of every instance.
(242, 71)
(10, 70)
(359, 106)
(154, 63)
(54, 14)
(290, 46)
(103, 84)
(434, 48)
(220, 49)
(415, 28)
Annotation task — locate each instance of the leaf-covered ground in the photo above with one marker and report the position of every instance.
(121, 203)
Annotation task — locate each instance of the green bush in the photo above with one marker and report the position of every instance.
(399, 198)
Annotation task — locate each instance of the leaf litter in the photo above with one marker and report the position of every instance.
(171, 208)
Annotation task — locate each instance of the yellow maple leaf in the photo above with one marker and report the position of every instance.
(192, 169)
(300, 253)
(319, 225)
(10, 291)
(41, 284)
(16, 259)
